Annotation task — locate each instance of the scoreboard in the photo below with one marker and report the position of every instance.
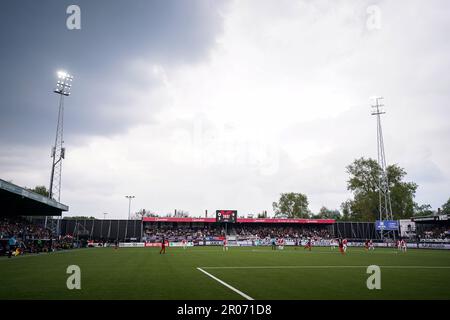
(226, 216)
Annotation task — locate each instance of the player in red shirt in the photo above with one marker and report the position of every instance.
(341, 246)
(281, 243)
(163, 246)
(344, 245)
(308, 244)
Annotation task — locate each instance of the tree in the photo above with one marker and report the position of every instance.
(262, 215)
(42, 190)
(181, 214)
(363, 182)
(346, 208)
(292, 205)
(402, 193)
(326, 213)
(446, 207)
(144, 213)
(423, 210)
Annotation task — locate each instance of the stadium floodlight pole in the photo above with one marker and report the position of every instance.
(384, 196)
(101, 225)
(129, 214)
(129, 204)
(63, 87)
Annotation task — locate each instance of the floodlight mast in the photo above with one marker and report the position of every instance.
(63, 86)
(129, 214)
(384, 196)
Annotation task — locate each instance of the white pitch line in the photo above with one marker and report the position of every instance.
(327, 267)
(226, 285)
(318, 252)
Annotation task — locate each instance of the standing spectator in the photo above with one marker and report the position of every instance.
(12, 245)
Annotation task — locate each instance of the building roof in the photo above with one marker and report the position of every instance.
(431, 219)
(18, 201)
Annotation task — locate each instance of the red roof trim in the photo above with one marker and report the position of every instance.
(239, 220)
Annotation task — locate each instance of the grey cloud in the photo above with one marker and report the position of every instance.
(35, 43)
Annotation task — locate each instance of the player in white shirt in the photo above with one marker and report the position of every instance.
(184, 242)
(333, 244)
(399, 245)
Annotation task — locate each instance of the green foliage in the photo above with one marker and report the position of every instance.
(363, 182)
(42, 190)
(446, 207)
(292, 205)
(346, 208)
(423, 210)
(262, 215)
(325, 213)
(144, 213)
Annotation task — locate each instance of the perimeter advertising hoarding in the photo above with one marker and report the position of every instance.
(386, 225)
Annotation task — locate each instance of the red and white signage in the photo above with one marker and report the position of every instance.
(152, 244)
(239, 220)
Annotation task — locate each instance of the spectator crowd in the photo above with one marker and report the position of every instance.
(434, 233)
(19, 236)
(155, 233)
(289, 232)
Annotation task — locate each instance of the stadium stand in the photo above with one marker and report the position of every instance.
(19, 234)
(435, 228)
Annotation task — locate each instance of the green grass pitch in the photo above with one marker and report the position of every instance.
(257, 272)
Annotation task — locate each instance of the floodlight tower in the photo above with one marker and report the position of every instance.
(385, 206)
(129, 205)
(63, 86)
(129, 214)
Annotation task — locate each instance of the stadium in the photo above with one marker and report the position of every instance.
(265, 258)
(252, 157)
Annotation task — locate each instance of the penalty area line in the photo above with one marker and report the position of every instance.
(226, 284)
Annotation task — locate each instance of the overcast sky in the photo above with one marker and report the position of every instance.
(196, 105)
